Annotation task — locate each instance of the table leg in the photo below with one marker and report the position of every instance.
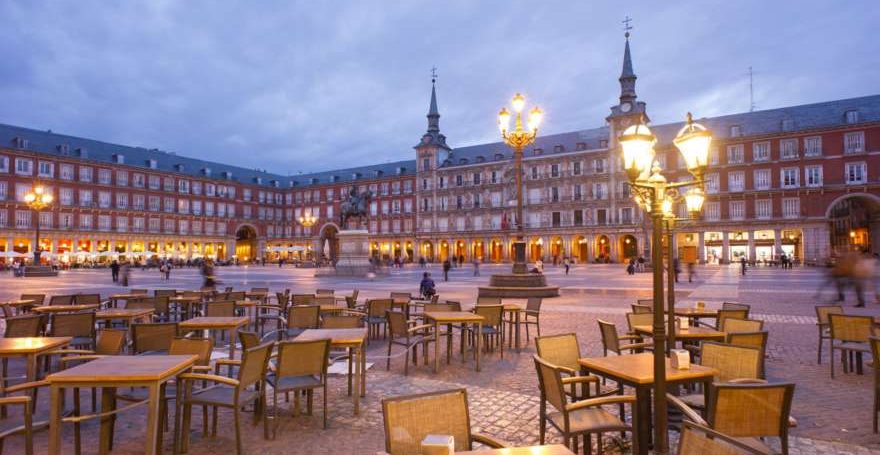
(517, 317)
(107, 397)
(363, 362)
(357, 379)
(479, 337)
(642, 428)
(448, 343)
(153, 410)
(436, 348)
(55, 420)
(31, 375)
(233, 335)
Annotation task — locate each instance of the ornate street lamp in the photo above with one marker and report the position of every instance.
(308, 220)
(37, 199)
(652, 192)
(518, 139)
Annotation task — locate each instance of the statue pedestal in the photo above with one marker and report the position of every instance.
(354, 253)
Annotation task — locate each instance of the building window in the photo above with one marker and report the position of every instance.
(763, 209)
(67, 172)
(791, 207)
(735, 181)
(735, 154)
(104, 222)
(85, 198)
(104, 176)
(737, 210)
(599, 165)
(852, 116)
(712, 183)
(46, 169)
(4, 190)
(554, 170)
(121, 223)
(121, 200)
(426, 164)
(459, 181)
(856, 173)
(495, 177)
(576, 168)
(534, 172)
(4, 164)
(554, 194)
(22, 218)
(854, 142)
(23, 166)
(813, 146)
(626, 215)
(714, 154)
(556, 219)
(813, 175)
(760, 151)
(104, 199)
(45, 219)
(600, 191)
(85, 221)
(65, 196)
(577, 194)
(85, 174)
(735, 131)
(762, 179)
(578, 217)
(478, 178)
(713, 211)
(789, 177)
(122, 178)
(788, 149)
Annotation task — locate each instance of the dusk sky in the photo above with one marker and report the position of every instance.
(294, 86)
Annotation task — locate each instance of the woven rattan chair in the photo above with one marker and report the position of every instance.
(611, 340)
(731, 325)
(581, 418)
(222, 308)
(349, 320)
(409, 335)
(639, 309)
(822, 324)
(273, 312)
(138, 291)
(488, 300)
(303, 299)
(145, 303)
(249, 386)
(849, 335)
(376, 309)
(532, 315)
(729, 314)
(746, 412)
(301, 318)
(734, 364)
(61, 300)
(153, 337)
(700, 440)
(108, 342)
(24, 326)
(79, 326)
(351, 300)
(875, 355)
(736, 306)
(324, 292)
(563, 351)
(301, 366)
(408, 419)
(757, 340)
(633, 319)
(24, 424)
(493, 330)
(38, 300)
(325, 300)
(87, 299)
(164, 293)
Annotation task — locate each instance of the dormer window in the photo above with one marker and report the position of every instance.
(787, 124)
(118, 158)
(258, 180)
(274, 183)
(334, 178)
(499, 156)
(580, 146)
(64, 149)
(558, 148)
(377, 173)
(178, 168)
(355, 175)
(20, 142)
(603, 143)
(852, 116)
(735, 131)
(152, 164)
(313, 181)
(538, 151)
(480, 159)
(82, 152)
(206, 171)
(401, 170)
(227, 175)
(463, 161)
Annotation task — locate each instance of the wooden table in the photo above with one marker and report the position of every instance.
(696, 313)
(108, 373)
(129, 315)
(455, 317)
(692, 334)
(261, 296)
(555, 449)
(352, 339)
(30, 348)
(17, 304)
(54, 309)
(637, 371)
(217, 323)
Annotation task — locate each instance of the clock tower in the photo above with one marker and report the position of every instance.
(431, 152)
(628, 110)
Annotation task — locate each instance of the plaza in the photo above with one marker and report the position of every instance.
(833, 415)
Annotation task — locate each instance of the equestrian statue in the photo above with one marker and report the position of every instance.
(357, 205)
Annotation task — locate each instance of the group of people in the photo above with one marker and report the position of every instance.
(120, 272)
(856, 271)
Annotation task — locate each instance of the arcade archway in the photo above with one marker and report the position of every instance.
(246, 243)
(603, 249)
(629, 247)
(329, 243)
(855, 223)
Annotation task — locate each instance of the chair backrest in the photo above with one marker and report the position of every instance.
(645, 302)
(164, 293)
(533, 304)
(342, 321)
(730, 314)
(732, 362)
(138, 291)
(144, 303)
(742, 325)
(634, 319)
(303, 299)
(266, 290)
(87, 299)
(488, 300)
(73, 325)
(640, 309)
(38, 299)
(23, 326)
(283, 299)
(61, 300)
(235, 295)
(455, 303)
(193, 294)
(699, 440)
(200, 347)
(491, 314)
(875, 353)
(408, 419)
(155, 336)
(396, 323)
(400, 297)
(822, 312)
(609, 336)
(750, 410)
(162, 304)
(853, 328)
(303, 317)
(454, 306)
(757, 340)
(324, 291)
(325, 299)
(222, 308)
(110, 341)
(253, 364)
(378, 307)
(561, 350)
(228, 289)
(248, 339)
(736, 306)
(302, 358)
(550, 383)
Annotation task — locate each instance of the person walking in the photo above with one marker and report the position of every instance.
(567, 263)
(742, 264)
(168, 266)
(461, 260)
(631, 267)
(446, 266)
(692, 271)
(427, 288)
(476, 267)
(114, 271)
(640, 264)
(422, 262)
(124, 273)
(676, 269)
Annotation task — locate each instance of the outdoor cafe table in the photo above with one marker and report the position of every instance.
(231, 324)
(109, 373)
(53, 309)
(355, 339)
(30, 348)
(455, 317)
(556, 449)
(690, 334)
(129, 315)
(17, 304)
(637, 371)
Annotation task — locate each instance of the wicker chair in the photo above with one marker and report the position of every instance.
(734, 364)
(376, 309)
(146, 303)
(138, 291)
(28, 424)
(493, 330)
(164, 293)
(61, 300)
(87, 299)
(757, 340)
(38, 300)
(408, 419)
(875, 354)
(351, 300)
(301, 318)
(729, 314)
(746, 412)
(611, 340)
(640, 309)
(633, 319)
(532, 315)
(409, 335)
(228, 393)
(563, 351)
(349, 320)
(79, 326)
(273, 312)
(488, 300)
(301, 366)
(736, 306)
(303, 299)
(731, 325)
(24, 326)
(220, 308)
(581, 418)
(325, 300)
(849, 335)
(153, 337)
(699, 440)
(324, 292)
(822, 323)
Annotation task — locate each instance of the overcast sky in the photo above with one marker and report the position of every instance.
(294, 86)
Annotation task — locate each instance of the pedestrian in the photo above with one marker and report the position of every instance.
(422, 262)
(567, 263)
(539, 266)
(676, 268)
(427, 288)
(208, 274)
(692, 271)
(280, 262)
(742, 264)
(124, 273)
(476, 267)
(461, 260)
(446, 267)
(162, 270)
(114, 270)
(631, 267)
(640, 264)
(168, 266)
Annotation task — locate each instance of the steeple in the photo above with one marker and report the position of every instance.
(628, 108)
(627, 75)
(433, 113)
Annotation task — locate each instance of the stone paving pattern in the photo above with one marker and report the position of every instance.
(834, 416)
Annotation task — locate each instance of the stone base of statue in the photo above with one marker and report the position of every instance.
(353, 257)
(520, 284)
(39, 271)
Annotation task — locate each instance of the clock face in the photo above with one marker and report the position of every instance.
(625, 107)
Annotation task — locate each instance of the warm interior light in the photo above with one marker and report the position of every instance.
(667, 207)
(536, 115)
(694, 199)
(518, 102)
(693, 141)
(637, 142)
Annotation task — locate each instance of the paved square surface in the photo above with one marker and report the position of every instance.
(834, 416)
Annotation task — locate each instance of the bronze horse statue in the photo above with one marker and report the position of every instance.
(357, 205)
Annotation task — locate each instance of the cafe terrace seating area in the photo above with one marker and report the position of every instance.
(204, 365)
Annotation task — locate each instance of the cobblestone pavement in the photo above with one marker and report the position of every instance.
(834, 416)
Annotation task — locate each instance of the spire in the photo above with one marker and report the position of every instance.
(627, 75)
(433, 112)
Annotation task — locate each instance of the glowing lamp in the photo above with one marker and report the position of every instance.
(518, 102)
(694, 199)
(637, 142)
(693, 141)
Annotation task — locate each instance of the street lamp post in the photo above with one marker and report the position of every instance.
(650, 190)
(37, 199)
(518, 139)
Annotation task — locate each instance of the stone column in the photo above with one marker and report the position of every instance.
(614, 247)
(590, 248)
(725, 247)
(701, 247)
(751, 245)
(777, 243)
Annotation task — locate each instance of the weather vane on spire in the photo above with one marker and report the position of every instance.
(433, 74)
(626, 26)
